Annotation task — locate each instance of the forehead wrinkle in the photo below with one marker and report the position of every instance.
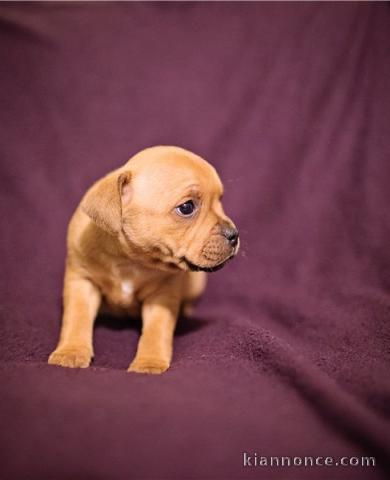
(193, 189)
(167, 181)
(189, 190)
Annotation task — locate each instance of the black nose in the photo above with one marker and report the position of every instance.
(231, 234)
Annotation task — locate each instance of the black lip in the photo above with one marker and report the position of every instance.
(198, 268)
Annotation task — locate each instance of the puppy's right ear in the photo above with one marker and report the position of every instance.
(103, 201)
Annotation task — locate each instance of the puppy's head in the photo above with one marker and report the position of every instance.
(165, 207)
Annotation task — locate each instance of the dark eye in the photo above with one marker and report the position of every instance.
(186, 209)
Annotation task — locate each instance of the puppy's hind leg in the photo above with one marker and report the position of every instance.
(194, 285)
(81, 302)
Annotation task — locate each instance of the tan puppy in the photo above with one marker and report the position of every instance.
(140, 242)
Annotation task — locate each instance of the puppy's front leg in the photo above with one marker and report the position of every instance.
(81, 302)
(154, 352)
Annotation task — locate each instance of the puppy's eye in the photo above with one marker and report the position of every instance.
(186, 209)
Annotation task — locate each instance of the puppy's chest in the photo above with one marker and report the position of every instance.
(119, 288)
(124, 286)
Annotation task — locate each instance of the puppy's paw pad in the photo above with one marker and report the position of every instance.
(73, 357)
(152, 366)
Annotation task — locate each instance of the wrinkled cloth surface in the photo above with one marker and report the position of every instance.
(288, 351)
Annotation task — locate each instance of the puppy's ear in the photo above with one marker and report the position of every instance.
(103, 201)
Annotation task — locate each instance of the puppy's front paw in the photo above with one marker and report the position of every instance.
(148, 365)
(73, 357)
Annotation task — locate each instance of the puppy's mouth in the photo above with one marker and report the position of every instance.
(200, 268)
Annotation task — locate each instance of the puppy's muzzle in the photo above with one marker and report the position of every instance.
(222, 246)
(231, 234)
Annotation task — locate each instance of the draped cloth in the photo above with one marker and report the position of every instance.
(288, 351)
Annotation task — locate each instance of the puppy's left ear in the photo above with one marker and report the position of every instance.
(104, 200)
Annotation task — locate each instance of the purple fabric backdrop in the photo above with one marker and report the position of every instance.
(289, 351)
